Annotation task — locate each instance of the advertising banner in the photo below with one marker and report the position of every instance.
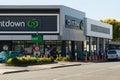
(29, 23)
(74, 23)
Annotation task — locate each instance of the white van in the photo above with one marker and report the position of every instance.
(113, 54)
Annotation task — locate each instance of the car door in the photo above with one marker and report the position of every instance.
(118, 53)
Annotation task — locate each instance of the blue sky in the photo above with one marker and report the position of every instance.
(95, 9)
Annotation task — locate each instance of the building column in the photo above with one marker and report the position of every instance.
(97, 45)
(90, 44)
(73, 47)
(82, 46)
(103, 44)
(63, 48)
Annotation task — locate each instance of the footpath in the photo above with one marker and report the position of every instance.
(14, 69)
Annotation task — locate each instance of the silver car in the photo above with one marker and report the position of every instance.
(113, 54)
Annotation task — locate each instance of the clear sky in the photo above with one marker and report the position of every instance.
(95, 9)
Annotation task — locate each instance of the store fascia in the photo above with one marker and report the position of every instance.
(30, 25)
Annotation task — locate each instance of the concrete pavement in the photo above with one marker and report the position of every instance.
(13, 69)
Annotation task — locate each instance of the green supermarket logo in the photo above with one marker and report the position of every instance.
(34, 23)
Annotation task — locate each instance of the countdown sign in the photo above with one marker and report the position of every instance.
(29, 23)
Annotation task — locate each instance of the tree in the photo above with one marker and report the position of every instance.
(116, 28)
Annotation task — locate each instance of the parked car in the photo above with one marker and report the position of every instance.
(2, 57)
(113, 54)
(14, 54)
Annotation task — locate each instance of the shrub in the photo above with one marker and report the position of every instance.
(32, 60)
(21, 61)
(58, 58)
(63, 59)
(52, 59)
(9, 61)
(13, 61)
(44, 60)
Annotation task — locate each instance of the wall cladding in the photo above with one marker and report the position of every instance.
(100, 29)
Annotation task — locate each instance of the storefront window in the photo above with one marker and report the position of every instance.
(55, 46)
(86, 48)
(26, 47)
(93, 44)
(68, 47)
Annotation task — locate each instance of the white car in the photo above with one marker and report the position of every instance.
(113, 54)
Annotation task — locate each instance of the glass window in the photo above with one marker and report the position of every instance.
(111, 52)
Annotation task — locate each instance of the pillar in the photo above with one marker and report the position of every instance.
(103, 44)
(63, 48)
(90, 43)
(73, 47)
(97, 45)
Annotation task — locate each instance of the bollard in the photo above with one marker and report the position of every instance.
(93, 58)
(85, 58)
(96, 58)
(90, 59)
(40, 56)
(105, 57)
(44, 55)
(76, 59)
(102, 57)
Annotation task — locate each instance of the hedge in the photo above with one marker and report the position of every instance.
(21, 61)
(63, 59)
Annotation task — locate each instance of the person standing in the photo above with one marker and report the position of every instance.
(47, 52)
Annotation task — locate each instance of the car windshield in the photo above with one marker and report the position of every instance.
(111, 52)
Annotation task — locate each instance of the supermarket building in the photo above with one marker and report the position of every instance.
(59, 26)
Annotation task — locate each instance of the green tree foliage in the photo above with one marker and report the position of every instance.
(116, 28)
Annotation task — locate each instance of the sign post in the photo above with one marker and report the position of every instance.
(36, 49)
(37, 38)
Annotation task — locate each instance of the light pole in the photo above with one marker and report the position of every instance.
(37, 37)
